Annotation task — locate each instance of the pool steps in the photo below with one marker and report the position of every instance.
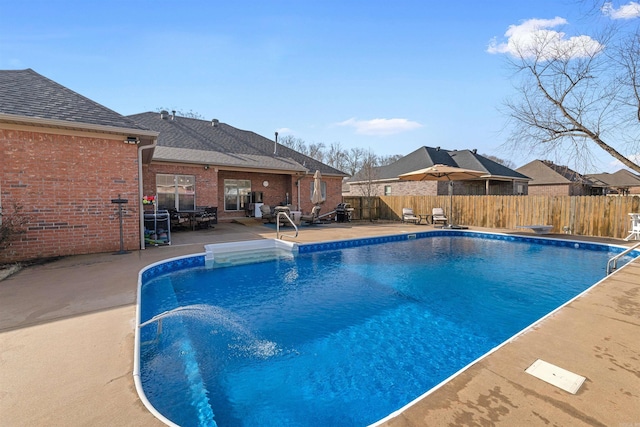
(252, 251)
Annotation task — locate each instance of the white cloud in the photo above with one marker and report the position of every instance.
(628, 11)
(380, 127)
(282, 131)
(537, 38)
(614, 165)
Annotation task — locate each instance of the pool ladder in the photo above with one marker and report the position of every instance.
(287, 218)
(612, 265)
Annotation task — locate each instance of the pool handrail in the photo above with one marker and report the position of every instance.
(612, 264)
(288, 218)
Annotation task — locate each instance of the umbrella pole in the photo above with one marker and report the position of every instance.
(450, 204)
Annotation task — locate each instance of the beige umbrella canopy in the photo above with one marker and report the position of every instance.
(316, 197)
(443, 173)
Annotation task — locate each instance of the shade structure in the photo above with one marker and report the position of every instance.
(316, 197)
(443, 173)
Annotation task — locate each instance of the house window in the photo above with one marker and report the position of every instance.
(387, 190)
(176, 192)
(236, 194)
(519, 189)
(323, 190)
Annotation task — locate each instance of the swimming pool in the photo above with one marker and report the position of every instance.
(348, 332)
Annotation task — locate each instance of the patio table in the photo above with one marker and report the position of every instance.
(426, 217)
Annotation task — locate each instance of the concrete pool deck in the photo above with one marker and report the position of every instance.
(67, 338)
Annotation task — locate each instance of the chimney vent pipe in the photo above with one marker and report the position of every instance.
(275, 145)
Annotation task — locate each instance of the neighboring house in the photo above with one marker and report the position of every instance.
(621, 182)
(66, 158)
(63, 159)
(549, 179)
(221, 166)
(384, 180)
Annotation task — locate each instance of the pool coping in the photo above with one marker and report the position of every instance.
(200, 259)
(46, 310)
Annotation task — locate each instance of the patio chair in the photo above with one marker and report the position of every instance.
(437, 215)
(408, 216)
(267, 215)
(634, 231)
(311, 218)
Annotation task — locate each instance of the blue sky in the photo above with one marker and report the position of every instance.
(379, 75)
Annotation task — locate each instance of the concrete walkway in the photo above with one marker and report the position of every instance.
(67, 331)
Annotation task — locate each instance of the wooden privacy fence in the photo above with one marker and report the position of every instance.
(600, 216)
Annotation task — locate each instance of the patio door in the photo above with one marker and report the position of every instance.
(176, 192)
(236, 194)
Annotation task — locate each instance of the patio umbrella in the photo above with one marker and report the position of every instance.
(316, 197)
(443, 173)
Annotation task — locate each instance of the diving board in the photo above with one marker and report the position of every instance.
(538, 229)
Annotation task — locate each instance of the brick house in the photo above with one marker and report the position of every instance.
(225, 165)
(383, 180)
(549, 179)
(622, 182)
(65, 158)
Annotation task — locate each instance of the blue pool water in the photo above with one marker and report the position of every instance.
(343, 337)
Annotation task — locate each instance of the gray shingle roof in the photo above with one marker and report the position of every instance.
(621, 178)
(192, 140)
(425, 157)
(28, 94)
(544, 172)
(185, 155)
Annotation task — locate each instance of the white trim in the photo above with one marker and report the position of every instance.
(71, 125)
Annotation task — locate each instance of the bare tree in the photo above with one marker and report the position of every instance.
(368, 174)
(316, 151)
(387, 160)
(354, 160)
(189, 114)
(574, 93)
(294, 143)
(12, 225)
(503, 162)
(337, 157)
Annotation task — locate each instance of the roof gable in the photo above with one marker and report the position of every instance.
(27, 94)
(544, 172)
(425, 157)
(470, 159)
(621, 178)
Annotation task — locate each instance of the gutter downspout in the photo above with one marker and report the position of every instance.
(140, 189)
(298, 185)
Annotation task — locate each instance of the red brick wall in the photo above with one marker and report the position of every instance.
(210, 187)
(549, 190)
(206, 180)
(65, 184)
(334, 193)
(433, 188)
(400, 188)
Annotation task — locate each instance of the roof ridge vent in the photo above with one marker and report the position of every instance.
(215, 123)
(164, 114)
